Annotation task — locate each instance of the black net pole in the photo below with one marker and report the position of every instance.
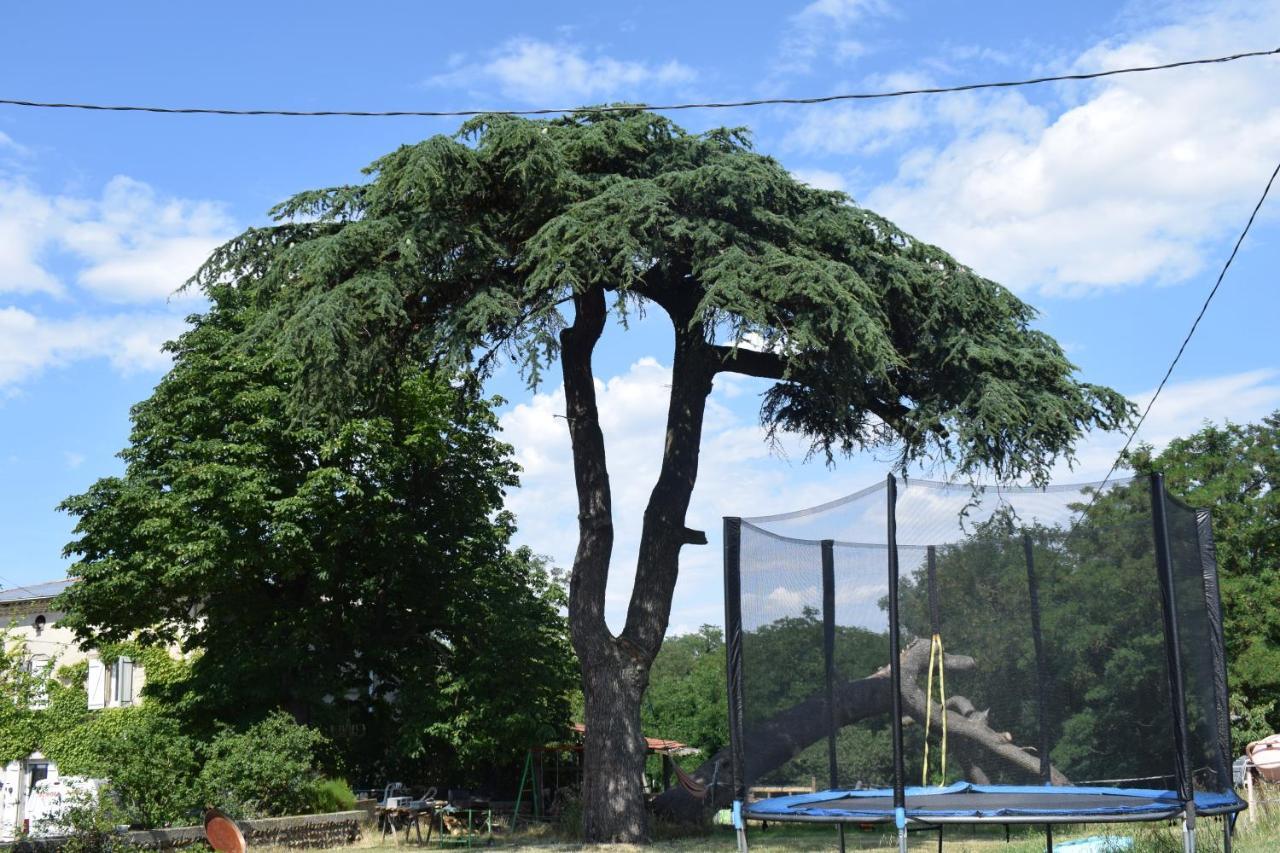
(828, 654)
(895, 665)
(829, 659)
(1042, 686)
(1037, 639)
(935, 610)
(1173, 656)
(1213, 607)
(733, 667)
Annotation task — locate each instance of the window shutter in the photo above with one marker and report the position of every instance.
(40, 669)
(124, 681)
(95, 684)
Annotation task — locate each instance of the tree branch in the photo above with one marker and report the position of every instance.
(748, 362)
(591, 474)
(663, 532)
(768, 365)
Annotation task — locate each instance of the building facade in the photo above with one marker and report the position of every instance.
(31, 787)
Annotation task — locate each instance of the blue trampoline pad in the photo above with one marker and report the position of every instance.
(964, 802)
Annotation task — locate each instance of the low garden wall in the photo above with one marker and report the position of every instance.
(335, 829)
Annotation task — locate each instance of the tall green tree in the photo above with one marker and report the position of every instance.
(522, 238)
(1234, 469)
(357, 575)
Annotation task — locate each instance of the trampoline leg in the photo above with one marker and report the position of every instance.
(1188, 834)
(742, 840)
(902, 840)
(1048, 837)
(1226, 833)
(840, 832)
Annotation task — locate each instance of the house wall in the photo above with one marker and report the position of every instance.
(47, 641)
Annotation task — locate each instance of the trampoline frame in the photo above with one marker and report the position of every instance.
(1184, 806)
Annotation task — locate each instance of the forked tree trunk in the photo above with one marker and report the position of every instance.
(615, 670)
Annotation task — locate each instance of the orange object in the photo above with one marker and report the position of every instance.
(222, 833)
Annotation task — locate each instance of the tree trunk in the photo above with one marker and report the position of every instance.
(613, 807)
(615, 670)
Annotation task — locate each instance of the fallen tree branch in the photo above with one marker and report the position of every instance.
(781, 738)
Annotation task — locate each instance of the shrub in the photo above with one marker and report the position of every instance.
(265, 771)
(332, 795)
(90, 824)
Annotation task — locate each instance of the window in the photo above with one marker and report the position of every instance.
(122, 682)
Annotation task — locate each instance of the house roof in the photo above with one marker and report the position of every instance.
(35, 591)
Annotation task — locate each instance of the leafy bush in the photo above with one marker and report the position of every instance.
(332, 795)
(265, 771)
(90, 825)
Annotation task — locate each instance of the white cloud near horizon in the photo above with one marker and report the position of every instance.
(1129, 182)
(536, 71)
(739, 475)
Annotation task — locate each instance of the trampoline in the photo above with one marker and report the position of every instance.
(940, 654)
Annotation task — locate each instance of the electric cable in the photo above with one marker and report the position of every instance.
(616, 108)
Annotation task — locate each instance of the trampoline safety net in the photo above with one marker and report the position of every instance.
(1063, 636)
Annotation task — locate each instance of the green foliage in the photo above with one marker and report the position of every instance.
(151, 765)
(1249, 723)
(357, 576)
(332, 795)
(685, 700)
(265, 771)
(459, 249)
(20, 722)
(1234, 470)
(156, 772)
(90, 825)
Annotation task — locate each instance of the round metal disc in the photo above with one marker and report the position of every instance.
(222, 833)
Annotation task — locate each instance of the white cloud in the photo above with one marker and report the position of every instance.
(822, 179)
(1130, 183)
(1183, 408)
(73, 459)
(7, 141)
(130, 342)
(821, 30)
(128, 245)
(543, 72)
(26, 220)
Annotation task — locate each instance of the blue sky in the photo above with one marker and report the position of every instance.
(1109, 205)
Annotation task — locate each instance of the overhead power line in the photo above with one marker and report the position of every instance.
(709, 105)
(1194, 325)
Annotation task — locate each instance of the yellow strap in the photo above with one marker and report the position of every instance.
(935, 655)
(942, 698)
(928, 711)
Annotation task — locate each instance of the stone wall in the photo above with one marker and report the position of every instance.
(335, 829)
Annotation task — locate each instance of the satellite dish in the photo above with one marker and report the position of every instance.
(222, 833)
